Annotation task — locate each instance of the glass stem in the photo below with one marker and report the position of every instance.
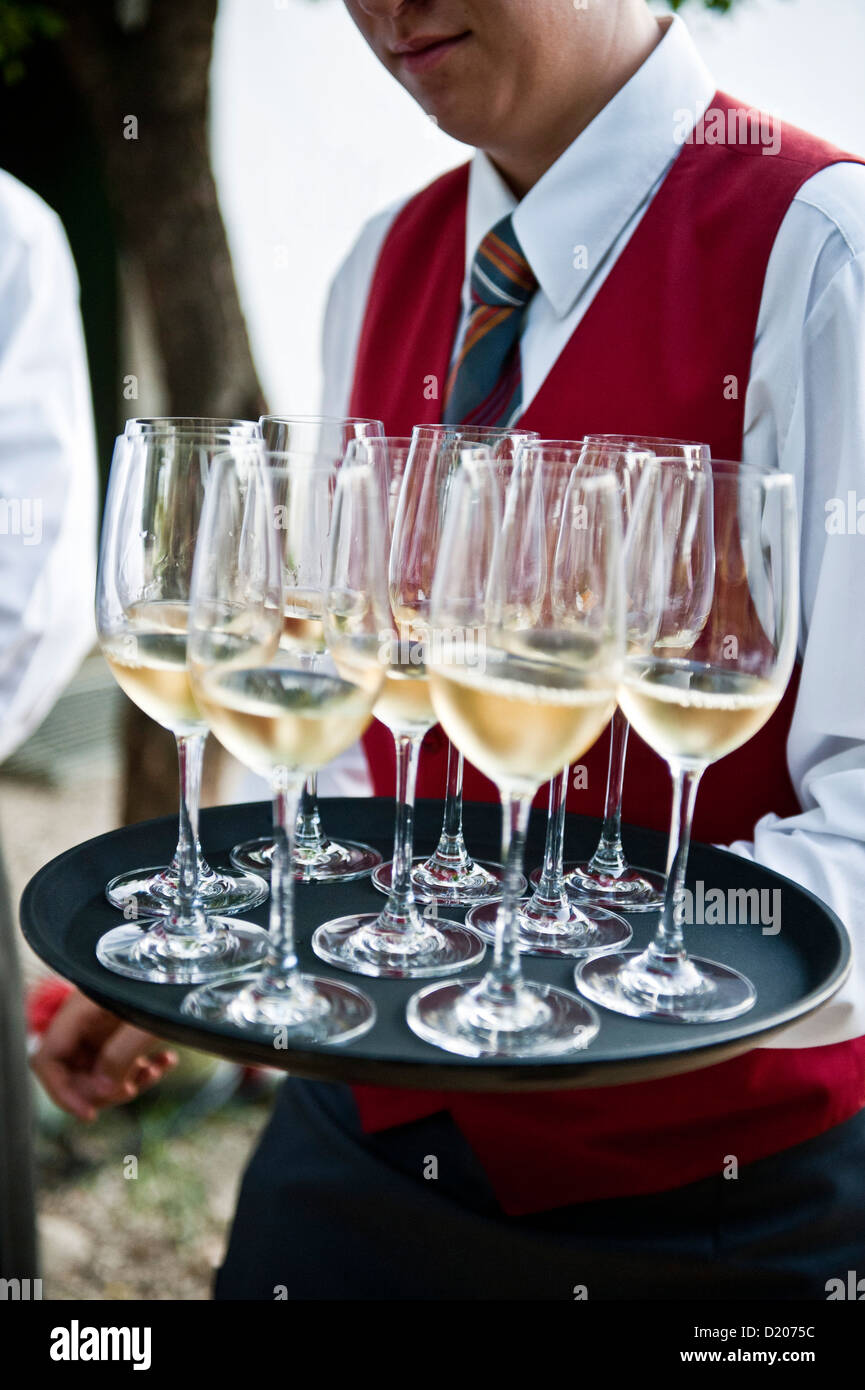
(401, 900)
(189, 915)
(451, 849)
(502, 982)
(669, 940)
(452, 829)
(308, 832)
(281, 961)
(550, 883)
(308, 835)
(609, 857)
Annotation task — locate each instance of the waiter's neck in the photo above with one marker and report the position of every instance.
(525, 158)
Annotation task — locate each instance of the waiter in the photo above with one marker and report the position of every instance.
(710, 288)
(707, 287)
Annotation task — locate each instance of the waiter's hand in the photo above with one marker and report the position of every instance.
(87, 1059)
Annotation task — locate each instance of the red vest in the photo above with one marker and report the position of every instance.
(664, 349)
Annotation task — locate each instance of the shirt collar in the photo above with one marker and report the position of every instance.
(568, 222)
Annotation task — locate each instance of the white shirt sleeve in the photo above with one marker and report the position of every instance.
(47, 467)
(346, 305)
(806, 406)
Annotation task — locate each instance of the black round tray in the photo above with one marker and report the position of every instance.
(64, 912)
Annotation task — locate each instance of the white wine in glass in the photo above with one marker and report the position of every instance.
(153, 507)
(129, 639)
(691, 710)
(148, 661)
(607, 879)
(450, 876)
(317, 858)
(550, 922)
(713, 594)
(400, 941)
(551, 633)
(267, 705)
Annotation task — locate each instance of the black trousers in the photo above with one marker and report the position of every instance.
(326, 1212)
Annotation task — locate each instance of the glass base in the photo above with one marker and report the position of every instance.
(686, 989)
(146, 951)
(543, 1022)
(362, 944)
(309, 1009)
(482, 882)
(154, 892)
(337, 862)
(633, 890)
(545, 929)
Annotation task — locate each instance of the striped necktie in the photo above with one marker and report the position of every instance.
(485, 384)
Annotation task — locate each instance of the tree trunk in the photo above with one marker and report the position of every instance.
(153, 82)
(147, 91)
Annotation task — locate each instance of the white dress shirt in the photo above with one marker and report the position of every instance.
(47, 466)
(804, 414)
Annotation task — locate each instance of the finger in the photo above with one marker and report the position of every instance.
(142, 1073)
(121, 1051)
(145, 1076)
(167, 1060)
(152, 1069)
(64, 1089)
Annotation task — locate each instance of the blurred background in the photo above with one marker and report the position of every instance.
(198, 154)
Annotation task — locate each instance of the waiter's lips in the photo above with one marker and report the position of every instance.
(426, 50)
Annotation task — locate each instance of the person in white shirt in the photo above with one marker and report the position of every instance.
(579, 114)
(48, 475)
(804, 413)
(48, 498)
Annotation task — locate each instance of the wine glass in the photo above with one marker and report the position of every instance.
(152, 511)
(712, 582)
(154, 891)
(203, 424)
(550, 922)
(274, 518)
(551, 635)
(400, 941)
(450, 875)
(607, 879)
(317, 858)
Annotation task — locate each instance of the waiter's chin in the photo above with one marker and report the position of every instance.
(452, 91)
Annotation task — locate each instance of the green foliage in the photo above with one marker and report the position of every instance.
(20, 26)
